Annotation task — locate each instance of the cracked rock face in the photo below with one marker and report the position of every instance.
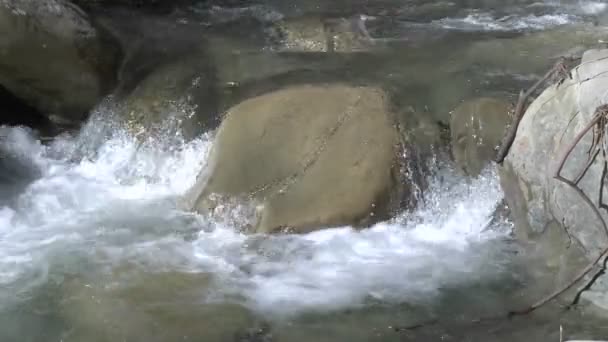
(311, 157)
(546, 211)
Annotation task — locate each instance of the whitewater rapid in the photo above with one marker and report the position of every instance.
(102, 198)
(535, 16)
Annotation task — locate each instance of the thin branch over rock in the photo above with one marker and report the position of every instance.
(561, 70)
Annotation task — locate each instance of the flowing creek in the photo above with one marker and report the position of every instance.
(93, 246)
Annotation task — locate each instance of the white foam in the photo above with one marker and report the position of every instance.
(394, 261)
(406, 260)
(79, 191)
(537, 16)
(578, 7)
(102, 196)
(592, 7)
(487, 22)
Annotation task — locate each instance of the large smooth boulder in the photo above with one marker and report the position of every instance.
(546, 211)
(309, 156)
(54, 58)
(477, 127)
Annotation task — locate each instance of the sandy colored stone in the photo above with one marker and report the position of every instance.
(312, 156)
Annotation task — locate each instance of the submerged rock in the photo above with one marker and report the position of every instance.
(303, 34)
(162, 306)
(175, 99)
(529, 53)
(317, 34)
(54, 58)
(150, 42)
(167, 81)
(310, 156)
(477, 127)
(546, 211)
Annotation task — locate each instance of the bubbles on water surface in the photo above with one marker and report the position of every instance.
(534, 16)
(488, 22)
(113, 204)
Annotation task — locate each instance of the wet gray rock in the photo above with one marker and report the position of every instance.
(54, 58)
(598, 295)
(477, 127)
(177, 99)
(547, 212)
(167, 82)
(309, 157)
(150, 42)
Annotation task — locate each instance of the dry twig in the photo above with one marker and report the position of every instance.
(561, 70)
(561, 290)
(598, 124)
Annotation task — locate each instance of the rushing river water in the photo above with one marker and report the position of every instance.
(93, 246)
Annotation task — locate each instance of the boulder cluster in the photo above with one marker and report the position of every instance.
(298, 134)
